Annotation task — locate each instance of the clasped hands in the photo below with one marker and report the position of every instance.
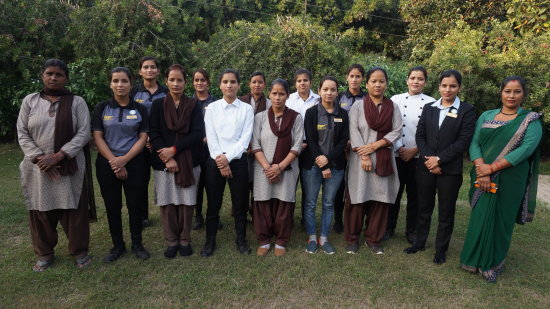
(48, 164)
(223, 164)
(432, 164)
(483, 172)
(166, 155)
(272, 172)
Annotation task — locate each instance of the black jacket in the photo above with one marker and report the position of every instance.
(448, 142)
(160, 137)
(336, 157)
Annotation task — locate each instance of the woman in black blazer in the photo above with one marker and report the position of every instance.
(444, 132)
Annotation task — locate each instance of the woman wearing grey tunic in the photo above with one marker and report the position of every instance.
(372, 178)
(53, 128)
(276, 143)
(177, 130)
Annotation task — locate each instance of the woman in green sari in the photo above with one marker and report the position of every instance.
(505, 152)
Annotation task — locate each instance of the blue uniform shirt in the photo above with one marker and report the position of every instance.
(142, 96)
(121, 125)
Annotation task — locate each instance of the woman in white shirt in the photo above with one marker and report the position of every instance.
(228, 123)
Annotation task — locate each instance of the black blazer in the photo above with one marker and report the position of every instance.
(336, 157)
(160, 137)
(448, 142)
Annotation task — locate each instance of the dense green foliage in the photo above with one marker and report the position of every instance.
(486, 40)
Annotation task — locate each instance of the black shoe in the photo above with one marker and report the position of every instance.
(198, 222)
(439, 258)
(171, 252)
(242, 246)
(338, 227)
(145, 223)
(414, 249)
(140, 251)
(186, 250)
(411, 237)
(208, 248)
(114, 254)
(388, 234)
(220, 226)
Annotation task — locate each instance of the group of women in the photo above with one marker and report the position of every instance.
(362, 148)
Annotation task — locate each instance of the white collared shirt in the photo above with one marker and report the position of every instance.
(410, 107)
(296, 103)
(444, 110)
(228, 128)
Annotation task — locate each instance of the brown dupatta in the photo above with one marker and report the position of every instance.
(178, 120)
(380, 121)
(261, 104)
(284, 135)
(64, 131)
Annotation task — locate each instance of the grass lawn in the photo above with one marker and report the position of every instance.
(229, 279)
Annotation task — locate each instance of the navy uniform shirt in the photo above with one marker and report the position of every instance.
(346, 99)
(141, 95)
(121, 125)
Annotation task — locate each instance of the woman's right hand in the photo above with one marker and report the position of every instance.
(484, 183)
(52, 174)
(366, 163)
(483, 170)
(172, 166)
(122, 174)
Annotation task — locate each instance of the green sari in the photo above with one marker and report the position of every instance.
(493, 215)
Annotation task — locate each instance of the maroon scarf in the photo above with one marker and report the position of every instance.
(380, 121)
(261, 104)
(64, 131)
(178, 120)
(284, 135)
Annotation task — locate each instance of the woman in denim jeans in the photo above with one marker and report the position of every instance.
(327, 133)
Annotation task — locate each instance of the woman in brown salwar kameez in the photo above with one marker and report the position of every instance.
(276, 143)
(53, 127)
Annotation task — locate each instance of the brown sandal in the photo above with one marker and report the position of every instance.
(42, 265)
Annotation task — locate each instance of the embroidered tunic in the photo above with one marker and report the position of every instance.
(264, 139)
(367, 186)
(35, 130)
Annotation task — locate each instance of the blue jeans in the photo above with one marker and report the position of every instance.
(313, 178)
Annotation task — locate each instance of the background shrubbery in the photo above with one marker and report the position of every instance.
(485, 40)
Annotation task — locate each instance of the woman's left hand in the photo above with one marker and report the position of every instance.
(483, 170)
(484, 183)
(431, 162)
(327, 173)
(365, 149)
(165, 154)
(117, 163)
(321, 161)
(122, 174)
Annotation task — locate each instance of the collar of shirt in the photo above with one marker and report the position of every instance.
(311, 96)
(161, 88)
(349, 95)
(209, 98)
(237, 103)
(114, 104)
(323, 111)
(456, 104)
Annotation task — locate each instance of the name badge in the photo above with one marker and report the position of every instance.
(131, 117)
(452, 115)
(321, 127)
(337, 119)
(107, 117)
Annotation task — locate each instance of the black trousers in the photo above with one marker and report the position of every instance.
(145, 196)
(200, 189)
(339, 202)
(446, 187)
(111, 191)
(407, 180)
(215, 187)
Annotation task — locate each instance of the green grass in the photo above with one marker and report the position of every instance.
(229, 279)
